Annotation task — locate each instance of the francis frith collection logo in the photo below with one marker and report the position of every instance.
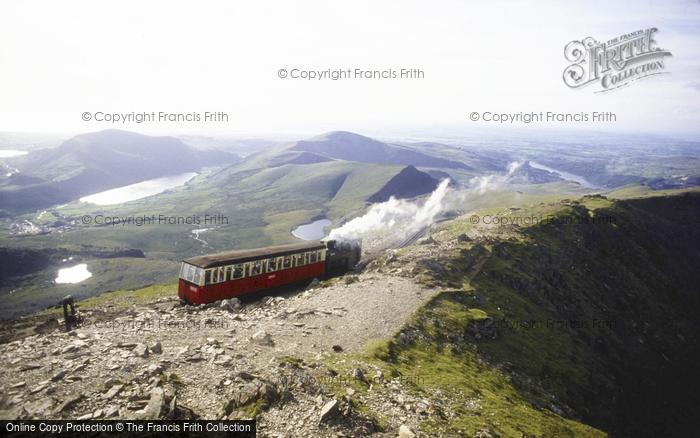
(615, 63)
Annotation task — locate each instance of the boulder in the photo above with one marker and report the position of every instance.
(69, 403)
(111, 411)
(262, 338)
(157, 348)
(141, 350)
(114, 390)
(252, 392)
(231, 304)
(328, 411)
(40, 408)
(156, 405)
(405, 432)
(313, 284)
(427, 241)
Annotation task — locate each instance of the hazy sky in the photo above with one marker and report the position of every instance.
(60, 59)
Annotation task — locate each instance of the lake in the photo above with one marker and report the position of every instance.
(9, 153)
(74, 274)
(565, 175)
(140, 190)
(312, 231)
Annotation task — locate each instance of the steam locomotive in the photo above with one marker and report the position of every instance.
(212, 277)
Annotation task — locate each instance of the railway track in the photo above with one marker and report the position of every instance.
(412, 238)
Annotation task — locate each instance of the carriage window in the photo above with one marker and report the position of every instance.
(300, 259)
(238, 271)
(257, 267)
(197, 276)
(287, 262)
(321, 255)
(272, 265)
(207, 277)
(190, 273)
(312, 257)
(227, 273)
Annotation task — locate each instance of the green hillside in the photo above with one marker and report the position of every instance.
(576, 313)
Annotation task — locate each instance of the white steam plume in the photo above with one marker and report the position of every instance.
(481, 184)
(394, 216)
(398, 219)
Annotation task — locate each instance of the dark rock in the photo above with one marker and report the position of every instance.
(59, 375)
(157, 348)
(483, 329)
(245, 376)
(464, 238)
(29, 366)
(358, 375)
(313, 284)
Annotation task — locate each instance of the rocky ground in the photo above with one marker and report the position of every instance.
(227, 360)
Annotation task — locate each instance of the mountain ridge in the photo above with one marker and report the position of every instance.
(93, 162)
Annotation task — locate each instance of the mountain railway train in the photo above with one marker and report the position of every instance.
(212, 277)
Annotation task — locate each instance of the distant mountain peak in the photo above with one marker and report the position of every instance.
(408, 183)
(344, 145)
(343, 136)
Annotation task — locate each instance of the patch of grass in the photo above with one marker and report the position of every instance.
(175, 379)
(253, 409)
(482, 397)
(329, 282)
(292, 361)
(126, 298)
(380, 349)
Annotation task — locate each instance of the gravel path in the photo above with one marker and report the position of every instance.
(115, 366)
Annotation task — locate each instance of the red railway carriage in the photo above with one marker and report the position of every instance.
(213, 277)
